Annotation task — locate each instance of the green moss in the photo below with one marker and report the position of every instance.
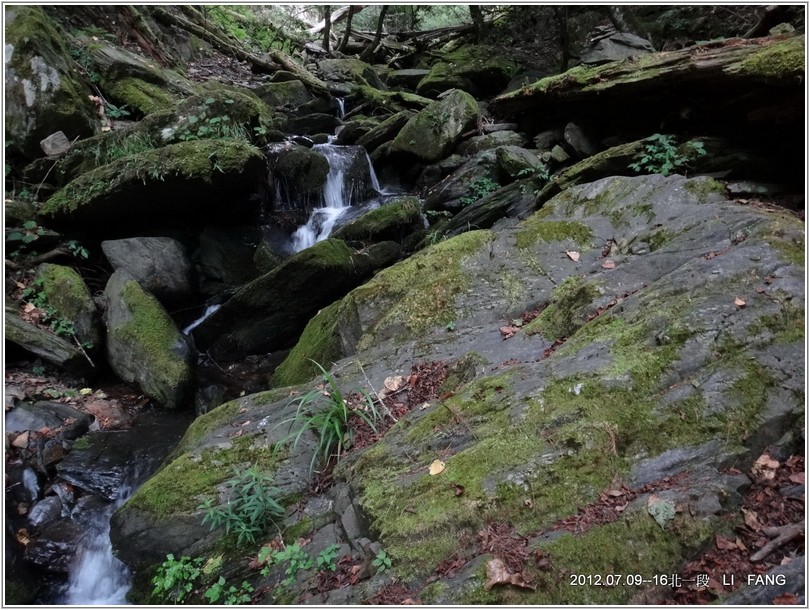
(320, 342)
(567, 311)
(140, 95)
(187, 160)
(389, 221)
(66, 291)
(703, 187)
(536, 228)
(786, 235)
(434, 591)
(419, 292)
(783, 328)
(153, 331)
(779, 61)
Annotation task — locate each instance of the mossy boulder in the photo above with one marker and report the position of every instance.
(385, 131)
(67, 293)
(143, 344)
(392, 221)
(480, 70)
(42, 96)
(300, 172)
(319, 343)
(515, 161)
(290, 94)
(436, 130)
(270, 312)
(491, 140)
(481, 169)
(341, 75)
(140, 95)
(196, 179)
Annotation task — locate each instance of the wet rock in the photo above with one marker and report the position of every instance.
(312, 124)
(392, 221)
(224, 258)
(300, 174)
(159, 264)
(45, 512)
(47, 414)
(55, 547)
(144, 345)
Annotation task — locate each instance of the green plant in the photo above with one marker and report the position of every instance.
(85, 63)
(116, 112)
(229, 594)
(539, 174)
(660, 155)
(481, 187)
(203, 125)
(382, 561)
(250, 507)
(175, 579)
(34, 295)
(77, 250)
(326, 558)
(293, 555)
(331, 425)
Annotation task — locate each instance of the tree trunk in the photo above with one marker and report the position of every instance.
(327, 28)
(478, 22)
(338, 15)
(561, 14)
(348, 31)
(365, 55)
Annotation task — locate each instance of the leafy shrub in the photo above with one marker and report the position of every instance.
(382, 561)
(229, 594)
(330, 425)
(326, 558)
(174, 579)
(250, 507)
(661, 156)
(480, 188)
(203, 125)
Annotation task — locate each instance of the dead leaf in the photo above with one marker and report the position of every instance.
(786, 599)
(739, 302)
(765, 467)
(424, 406)
(29, 307)
(573, 255)
(608, 264)
(797, 478)
(508, 331)
(22, 537)
(725, 544)
(394, 384)
(21, 441)
(760, 290)
(436, 467)
(459, 490)
(751, 520)
(498, 574)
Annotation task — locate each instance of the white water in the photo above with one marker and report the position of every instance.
(208, 312)
(341, 107)
(97, 578)
(337, 196)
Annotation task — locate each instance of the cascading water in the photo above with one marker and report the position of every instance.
(97, 578)
(338, 194)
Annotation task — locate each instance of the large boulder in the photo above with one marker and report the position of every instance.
(385, 131)
(224, 258)
(69, 296)
(392, 221)
(436, 130)
(143, 344)
(342, 75)
(159, 264)
(288, 94)
(298, 173)
(480, 70)
(270, 312)
(194, 179)
(42, 96)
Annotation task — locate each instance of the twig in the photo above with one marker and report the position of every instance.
(81, 347)
(781, 536)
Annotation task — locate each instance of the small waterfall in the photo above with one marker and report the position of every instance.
(208, 312)
(340, 192)
(341, 107)
(97, 577)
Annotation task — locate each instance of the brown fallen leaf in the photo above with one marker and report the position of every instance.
(608, 264)
(739, 302)
(751, 520)
(573, 255)
(508, 331)
(458, 490)
(21, 441)
(725, 544)
(498, 574)
(797, 478)
(393, 384)
(765, 467)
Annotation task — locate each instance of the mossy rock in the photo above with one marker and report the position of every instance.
(67, 293)
(271, 311)
(319, 343)
(140, 95)
(42, 96)
(435, 131)
(480, 70)
(196, 178)
(290, 93)
(392, 221)
(343, 74)
(301, 172)
(143, 344)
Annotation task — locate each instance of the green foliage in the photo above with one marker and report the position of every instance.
(326, 558)
(77, 250)
(250, 507)
(480, 188)
(661, 155)
(382, 561)
(296, 559)
(116, 112)
(330, 425)
(540, 175)
(85, 63)
(174, 579)
(34, 294)
(203, 125)
(229, 594)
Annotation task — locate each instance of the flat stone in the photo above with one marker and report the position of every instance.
(55, 144)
